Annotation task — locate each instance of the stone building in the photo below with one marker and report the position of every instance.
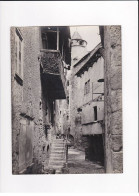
(96, 98)
(111, 41)
(38, 58)
(87, 98)
(84, 103)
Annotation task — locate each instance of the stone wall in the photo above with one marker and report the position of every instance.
(113, 99)
(16, 107)
(27, 103)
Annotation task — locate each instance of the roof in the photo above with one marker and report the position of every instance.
(76, 35)
(89, 55)
(89, 59)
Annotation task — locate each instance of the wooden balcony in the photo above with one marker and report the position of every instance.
(52, 73)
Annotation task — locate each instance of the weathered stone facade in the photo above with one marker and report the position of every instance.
(111, 39)
(33, 105)
(86, 93)
(27, 99)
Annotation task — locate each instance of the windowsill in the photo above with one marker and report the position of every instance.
(18, 79)
(89, 123)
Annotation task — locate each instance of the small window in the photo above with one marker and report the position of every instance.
(87, 87)
(68, 83)
(18, 56)
(50, 38)
(95, 113)
(81, 42)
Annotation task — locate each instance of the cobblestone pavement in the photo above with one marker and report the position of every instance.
(78, 165)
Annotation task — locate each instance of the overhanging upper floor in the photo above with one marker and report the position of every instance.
(52, 73)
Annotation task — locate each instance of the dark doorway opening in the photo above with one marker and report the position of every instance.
(94, 150)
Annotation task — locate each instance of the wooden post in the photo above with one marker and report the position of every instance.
(57, 38)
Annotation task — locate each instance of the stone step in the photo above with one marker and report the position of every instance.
(56, 161)
(59, 156)
(56, 158)
(57, 153)
(56, 166)
(58, 142)
(57, 150)
(58, 145)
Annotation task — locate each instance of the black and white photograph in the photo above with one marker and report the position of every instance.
(69, 97)
(66, 99)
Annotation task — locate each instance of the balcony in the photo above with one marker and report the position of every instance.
(52, 73)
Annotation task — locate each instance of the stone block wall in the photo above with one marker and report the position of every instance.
(113, 99)
(26, 99)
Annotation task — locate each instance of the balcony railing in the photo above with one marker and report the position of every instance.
(50, 61)
(53, 69)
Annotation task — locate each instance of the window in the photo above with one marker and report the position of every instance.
(67, 82)
(95, 113)
(50, 38)
(87, 87)
(98, 90)
(18, 56)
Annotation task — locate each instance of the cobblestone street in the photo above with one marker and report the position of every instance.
(78, 165)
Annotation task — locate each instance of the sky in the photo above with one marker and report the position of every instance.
(88, 33)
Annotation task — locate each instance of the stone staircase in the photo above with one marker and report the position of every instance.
(57, 155)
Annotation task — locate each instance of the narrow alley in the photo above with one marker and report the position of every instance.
(66, 100)
(78, 165)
